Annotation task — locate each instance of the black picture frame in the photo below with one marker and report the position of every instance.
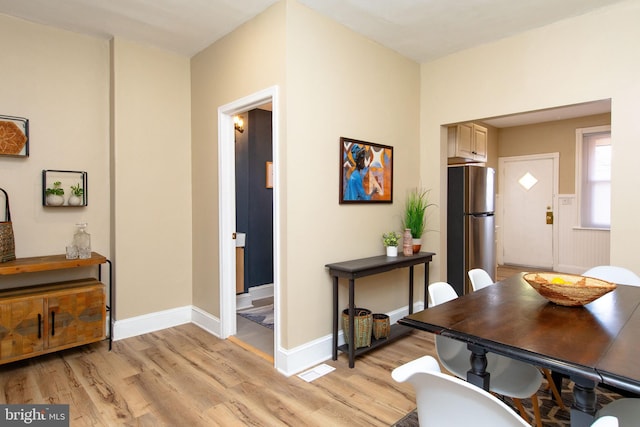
(66, 179)
(374, 165)
(14, 136)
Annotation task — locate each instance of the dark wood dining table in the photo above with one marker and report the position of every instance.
(592, 344)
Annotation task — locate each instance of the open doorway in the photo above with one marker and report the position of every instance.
(227, 210)
(254, 229)
(562, 244)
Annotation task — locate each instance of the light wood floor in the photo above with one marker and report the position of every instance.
(255, 336)
(183, 376)
(505, 271)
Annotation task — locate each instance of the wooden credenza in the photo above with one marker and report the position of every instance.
(41, 319)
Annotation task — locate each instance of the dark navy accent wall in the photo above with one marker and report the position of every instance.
(254, 202)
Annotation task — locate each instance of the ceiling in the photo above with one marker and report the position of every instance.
(422, 30)
(550, 114)
(418, 29)
(182, 26)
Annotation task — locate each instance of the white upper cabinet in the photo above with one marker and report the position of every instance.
(467, 142)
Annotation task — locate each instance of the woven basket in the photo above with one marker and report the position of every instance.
(381, 326)
(362, 325)
(7, 239)
(573, 291)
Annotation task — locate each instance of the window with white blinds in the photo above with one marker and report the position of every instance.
(593, 167)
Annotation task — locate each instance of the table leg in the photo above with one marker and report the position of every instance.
(557, 379)
(336, 316)
(426, 285)
(352, 340)
(411, 289)
(110, 308)
(583, 409)
(478, 374)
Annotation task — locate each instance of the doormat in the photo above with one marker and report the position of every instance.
(262, 315)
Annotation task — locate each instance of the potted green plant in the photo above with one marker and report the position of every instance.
(55, 195)
(415, 215)
(391, 240)
(76, 195)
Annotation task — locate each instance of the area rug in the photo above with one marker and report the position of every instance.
(552, 415)
(262, 315)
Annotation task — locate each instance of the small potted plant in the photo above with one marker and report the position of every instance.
(55, 195)
(391, 241)
(414, 215)
(76, 195)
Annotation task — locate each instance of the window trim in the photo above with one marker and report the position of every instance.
(580, 133)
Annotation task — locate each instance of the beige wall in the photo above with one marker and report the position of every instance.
(548, 67)
(152, 179)
(341, 84)
(332, 83)
(246, 61)
(549, 137)
(492, 146)
(60, 81)
(132, 138)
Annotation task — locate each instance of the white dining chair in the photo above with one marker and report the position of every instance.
(614, 274)
(509, 377)
(609, 421)
(479, 278)
(440, 292)
(626, 410)
(444, 400)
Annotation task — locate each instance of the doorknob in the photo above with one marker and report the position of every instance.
(549, 217)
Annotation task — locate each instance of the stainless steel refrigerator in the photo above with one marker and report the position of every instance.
(471, 241)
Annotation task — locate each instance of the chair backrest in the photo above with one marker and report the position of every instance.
(607, 421)
(611, 273)
(440, 398)
(479, 278)
(453, 354)
(441, 292)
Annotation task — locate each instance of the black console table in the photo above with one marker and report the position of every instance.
(366, 267)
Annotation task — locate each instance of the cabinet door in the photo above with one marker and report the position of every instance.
(460, 141)
(76, 317)
(480, 143)
(21, 327)
(464, 141)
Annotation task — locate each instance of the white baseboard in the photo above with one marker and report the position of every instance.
(308, 355)
(261, 291)
(151, 322)
(289, 362)
(244, 301)
(206, 321)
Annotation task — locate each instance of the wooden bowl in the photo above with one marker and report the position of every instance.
(573, 291)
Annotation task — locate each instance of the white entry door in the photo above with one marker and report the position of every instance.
(528, 185)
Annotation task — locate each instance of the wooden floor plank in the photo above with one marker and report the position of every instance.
(185, 376)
